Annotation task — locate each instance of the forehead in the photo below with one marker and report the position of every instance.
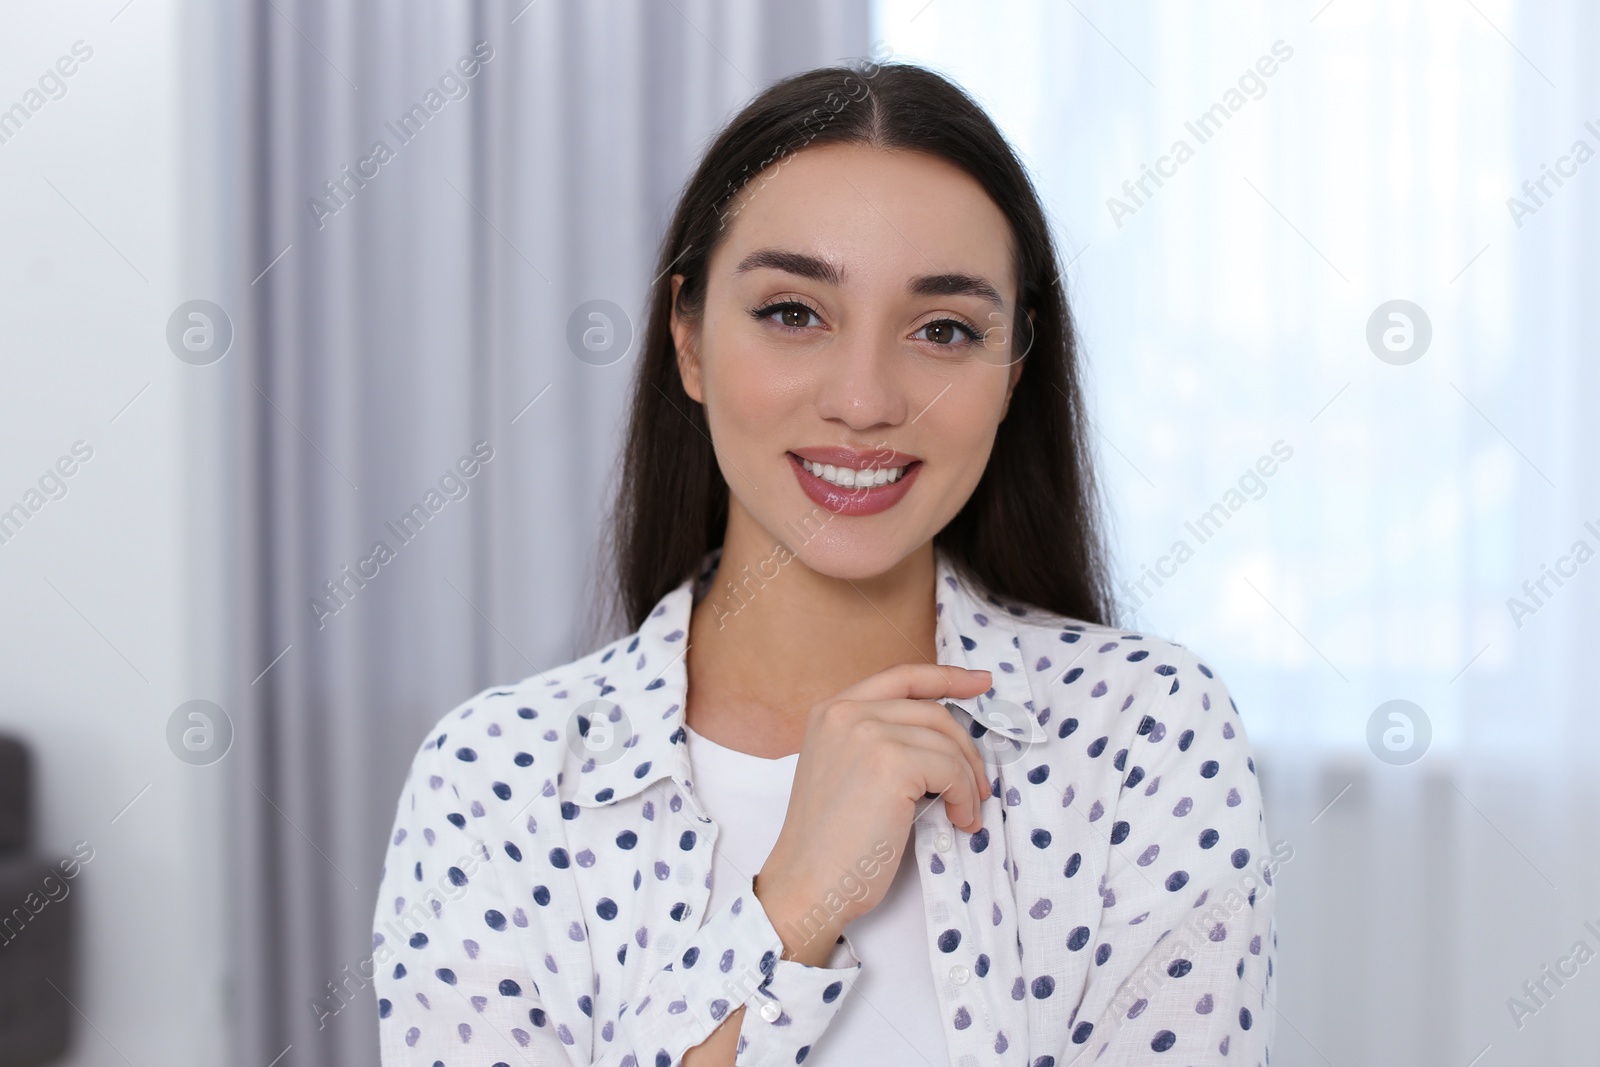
(883, 215)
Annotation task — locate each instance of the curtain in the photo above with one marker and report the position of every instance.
(420, 202)
(1399, 520)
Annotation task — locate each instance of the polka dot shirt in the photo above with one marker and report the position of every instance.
(544, 896)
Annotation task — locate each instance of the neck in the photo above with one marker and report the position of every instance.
(772, 637)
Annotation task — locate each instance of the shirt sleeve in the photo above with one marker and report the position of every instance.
(788, 1004)
(468, 978)
(453, 985)
(1193, 873)
(794, 1006)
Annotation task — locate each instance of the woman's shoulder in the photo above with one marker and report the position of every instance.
(1059, 651)
(514, 743)
(1114, 688)
(1132, 722)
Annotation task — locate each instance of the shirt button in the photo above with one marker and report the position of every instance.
(770, 1011)
(959, 974)
(941, 842)
(688, 909)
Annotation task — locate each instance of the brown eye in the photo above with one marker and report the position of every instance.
(790, 314)
(945, 332)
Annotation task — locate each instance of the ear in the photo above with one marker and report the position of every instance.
(1014, 371)
(685, 338)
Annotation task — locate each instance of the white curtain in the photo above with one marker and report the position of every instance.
(1363, 153)
(401, 374)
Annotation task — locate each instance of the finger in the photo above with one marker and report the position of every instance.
(936, 765)
(932, 715)
(919, 681)
(962, 804)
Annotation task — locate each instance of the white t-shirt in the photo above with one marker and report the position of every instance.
(892, 1015)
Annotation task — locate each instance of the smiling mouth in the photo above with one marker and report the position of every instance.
(852, 478)
(858, 491)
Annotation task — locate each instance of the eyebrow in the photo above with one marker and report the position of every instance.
(950, 283)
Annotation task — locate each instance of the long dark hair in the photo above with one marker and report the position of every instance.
(1031, 532)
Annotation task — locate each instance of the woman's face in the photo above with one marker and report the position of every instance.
(857, 319)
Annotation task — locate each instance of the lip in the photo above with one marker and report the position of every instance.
(855, 458)
(856, 501)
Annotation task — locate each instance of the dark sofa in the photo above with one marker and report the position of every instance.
(38, 921)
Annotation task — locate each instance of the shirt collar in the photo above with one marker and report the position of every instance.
(645, 682)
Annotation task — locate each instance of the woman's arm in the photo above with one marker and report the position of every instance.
(722, 1047)
(452, 987)
(467, 976)
(1197, 863)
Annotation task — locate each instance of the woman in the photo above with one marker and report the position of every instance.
(873, 780)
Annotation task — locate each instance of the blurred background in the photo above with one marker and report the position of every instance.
(271, 268)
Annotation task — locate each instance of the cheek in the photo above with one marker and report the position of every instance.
(750, 394)
(962, 435)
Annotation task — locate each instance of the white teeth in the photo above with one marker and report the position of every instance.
(850, 478)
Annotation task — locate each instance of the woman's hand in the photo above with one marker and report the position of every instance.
(871, 756)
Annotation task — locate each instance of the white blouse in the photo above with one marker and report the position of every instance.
(547, 893)
(892, 1015)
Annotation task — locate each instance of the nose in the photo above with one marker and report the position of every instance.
(862, 382)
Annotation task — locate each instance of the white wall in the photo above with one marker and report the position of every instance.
(98, 636)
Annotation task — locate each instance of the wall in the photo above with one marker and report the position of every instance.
(103, 589)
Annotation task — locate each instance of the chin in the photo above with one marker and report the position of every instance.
(853, 555)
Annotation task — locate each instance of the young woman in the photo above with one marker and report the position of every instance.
(874, 779)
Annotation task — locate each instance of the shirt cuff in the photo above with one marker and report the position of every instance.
(794, 1006)
(733, 960)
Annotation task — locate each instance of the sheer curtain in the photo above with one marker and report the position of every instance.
(418, 202)
(1357, 514)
